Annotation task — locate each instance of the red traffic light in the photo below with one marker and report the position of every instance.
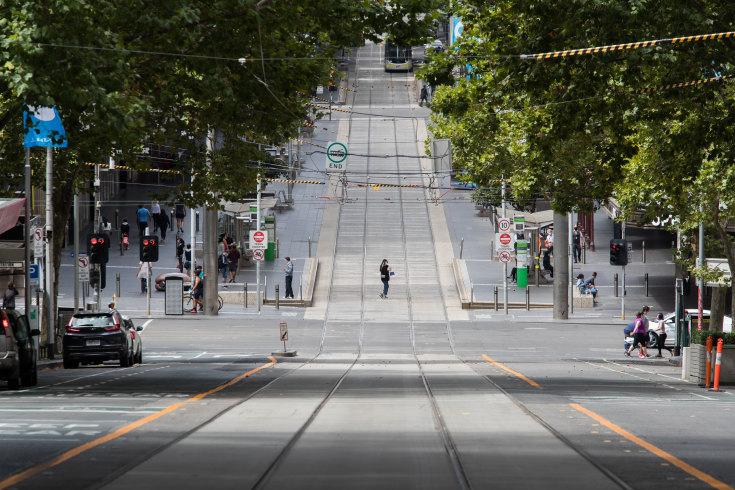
(152, 242)
(145, 243)
(93, 241)
(101, 241)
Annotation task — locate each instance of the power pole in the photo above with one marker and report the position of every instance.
(505, 264)
(561, 278)
(50, 303)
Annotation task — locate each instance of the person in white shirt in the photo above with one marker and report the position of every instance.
(145, 270)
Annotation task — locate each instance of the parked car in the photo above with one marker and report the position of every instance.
(670, 325)
(95, 337)
(435, 45)
(18, 359)
(160, 281)
(137, 340)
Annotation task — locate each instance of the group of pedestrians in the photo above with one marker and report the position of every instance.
(156, 216)
(228, 258)
(639, 330)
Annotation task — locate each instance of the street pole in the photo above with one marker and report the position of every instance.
(50, 306)
(27, 191)
(570, 251)
(76, 253)
(700, 263)
(257, 228)
(622, 301)
(505, 264)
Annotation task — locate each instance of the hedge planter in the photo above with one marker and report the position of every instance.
(694, 365)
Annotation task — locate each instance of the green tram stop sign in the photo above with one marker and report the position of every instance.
(336, 157)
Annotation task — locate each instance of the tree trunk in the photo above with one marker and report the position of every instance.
(729, 252)
(561, 267)
(717, 310)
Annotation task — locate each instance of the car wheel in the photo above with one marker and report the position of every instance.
(27, 377)
(14, 383)
(139, 357)
(69, 364)
(125, 360)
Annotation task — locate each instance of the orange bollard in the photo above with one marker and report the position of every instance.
(718, 361)
(708, 376)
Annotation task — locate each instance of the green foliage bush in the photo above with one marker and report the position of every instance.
(700, 337)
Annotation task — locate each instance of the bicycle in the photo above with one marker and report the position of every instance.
(188, 306)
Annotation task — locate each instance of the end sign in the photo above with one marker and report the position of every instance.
(336, 156)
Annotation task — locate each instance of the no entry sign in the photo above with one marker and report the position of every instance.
(258, 240)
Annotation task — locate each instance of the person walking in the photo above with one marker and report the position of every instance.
(233, 257)
(197, 291)
(385, 271)
(155, 215)
(143, 214)
(180, 215)
(660, 330)
(547, 263)
(163, 222)
(639, 336)
(9, 296)
(222, 262)
(125, 233)
(187, 259)
(424, 95)
(145, 271)
(550, 241)
(180, 253)
(289, 277)
(577, 240)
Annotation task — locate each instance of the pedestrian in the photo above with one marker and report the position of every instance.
(639, 336)
(143, 214)
(222, 262)
(106, 225)
(289, 277)
(590, 282)
(163, 222)
(180, 215)
(155, 215)
(550, 241)
(111, 307)
(145, 271)
(547, 263)
(180, 245)
(660, 330)
(9, 296)
(197, 291)
(424, 95)
(233, 257)
(187, 259)
(228, 241)
(577, 240)
(385, 273)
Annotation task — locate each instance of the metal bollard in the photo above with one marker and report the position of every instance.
(309, 247)
(496, 298)
(472, 296)
(645, 281)
(245, 294)
(708, 372)
(461, 247)
(615, 282)
(278, 298)
(117, 215)
(643, 250)
(718, 362)
(197, 221)
(301, 292)
(276, 251)
(584, 254)
(117, 284)
(528, 299)
(172, 220)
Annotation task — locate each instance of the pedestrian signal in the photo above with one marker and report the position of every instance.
(98, 245)
(618, 252)
(149, 248)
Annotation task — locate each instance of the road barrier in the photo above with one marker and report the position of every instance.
(718, 362)
(708, 374)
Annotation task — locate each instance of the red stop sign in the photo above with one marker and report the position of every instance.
(505, 238)
(258, 237)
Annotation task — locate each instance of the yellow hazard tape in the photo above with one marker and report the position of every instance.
(125, 167)
(683, 84)
(328, 108)
(308, 143)
(627, 46)
(294, 181)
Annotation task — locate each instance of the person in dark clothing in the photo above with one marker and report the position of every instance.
(163, 222)
(384, 277)
(180, 253)
(424, 95)
(9, 296)
(577, 241)
(289, 277)
(233, 259)
(547, 263)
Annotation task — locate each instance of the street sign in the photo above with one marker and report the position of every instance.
(503, 224)
(11, 265)
(504, 256)
(258, 240)
(35, 275)
(83, 267)
(284, 331)
(37, 242)
(336, 156)
(504, 241)
(258, 254)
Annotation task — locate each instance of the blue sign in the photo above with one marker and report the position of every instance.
(33, 270)
(43, 127)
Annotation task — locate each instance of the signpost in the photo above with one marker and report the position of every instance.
(37, 242)
(504, 224)
(83, 261)
(35, 275)
(258, 254)
(336, 156)
(504, 256)
(258, 239)
(504, 242)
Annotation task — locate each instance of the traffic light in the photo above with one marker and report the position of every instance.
(618, 252)
(98, 245)
(149, 248)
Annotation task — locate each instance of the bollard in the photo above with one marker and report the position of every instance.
(117, 284)
(276, 251)
(309, 247)
(645, 279)
(615, 282)
(528, 299)
(718, 361)
(301, 292)
(472, 296)
(708, 375)
(117, 215)
(496, 298)
(584, 254)
(278, 298)
(673, 251)
(461, 247)
(245, 294)
(197, 222)
(172, 220)
(643, 249)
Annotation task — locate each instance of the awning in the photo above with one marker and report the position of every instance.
(539, 219)
(10, 210)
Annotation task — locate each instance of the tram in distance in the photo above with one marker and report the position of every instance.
(397, 58)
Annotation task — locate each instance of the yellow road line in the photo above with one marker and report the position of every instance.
(700, 475)
(515, 373)
(19, 477)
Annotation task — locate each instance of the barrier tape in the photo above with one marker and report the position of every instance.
(627, 46)
(683, 84)
(308, 143)
(294, 181)
(328, 108)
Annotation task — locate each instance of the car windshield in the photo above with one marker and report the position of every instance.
(92, 321)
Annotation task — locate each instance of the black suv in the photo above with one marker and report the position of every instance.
(92, 338)
(18, 359)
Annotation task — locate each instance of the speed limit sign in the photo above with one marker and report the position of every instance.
(258, 254)
(504, 224)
